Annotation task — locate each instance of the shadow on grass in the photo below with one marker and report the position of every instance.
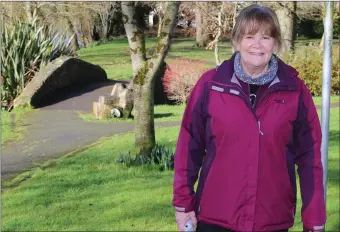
(163, 115)
(103, 55)
(188, 49)
(334, 136)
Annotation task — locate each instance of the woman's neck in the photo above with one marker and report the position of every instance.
(253, 71)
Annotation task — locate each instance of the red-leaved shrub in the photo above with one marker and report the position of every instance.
(181, 76)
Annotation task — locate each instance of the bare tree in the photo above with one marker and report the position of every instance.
(103, 9)
(145, 70)
(220, 20)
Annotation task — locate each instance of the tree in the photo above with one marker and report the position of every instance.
(202, 37)
(145, 70)
(220, 20)
(287, 19)
(104, 11)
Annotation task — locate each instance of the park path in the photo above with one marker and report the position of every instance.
(56, 129)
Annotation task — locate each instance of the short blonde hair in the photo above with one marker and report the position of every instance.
(253, 18)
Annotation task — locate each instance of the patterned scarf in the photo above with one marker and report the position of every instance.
(263, 79)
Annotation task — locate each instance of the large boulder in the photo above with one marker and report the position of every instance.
(62, 73)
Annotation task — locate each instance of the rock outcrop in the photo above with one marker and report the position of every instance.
(64, 72)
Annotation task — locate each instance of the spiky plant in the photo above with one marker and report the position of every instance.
(25, 48)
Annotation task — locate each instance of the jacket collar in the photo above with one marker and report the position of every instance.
(284, 79)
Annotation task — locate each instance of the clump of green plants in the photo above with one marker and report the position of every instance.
(25, 47)
(308, 61)
(160, 156)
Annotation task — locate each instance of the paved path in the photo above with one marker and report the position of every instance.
(56, 129)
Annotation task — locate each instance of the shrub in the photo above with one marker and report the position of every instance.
(160, 156)
(25, 47)
(180, 77)
(309, 63)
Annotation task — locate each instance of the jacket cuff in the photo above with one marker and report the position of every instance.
(309, 227)
(184, 210)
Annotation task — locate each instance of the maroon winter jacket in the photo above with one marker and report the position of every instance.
(248, 154)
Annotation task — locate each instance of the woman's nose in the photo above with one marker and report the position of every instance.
(257, 43)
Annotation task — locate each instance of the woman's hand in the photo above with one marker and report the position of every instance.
(182, 218)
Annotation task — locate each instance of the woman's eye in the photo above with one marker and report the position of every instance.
(249, 37)
(266, 37)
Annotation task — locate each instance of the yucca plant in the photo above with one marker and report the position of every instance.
(25, 47)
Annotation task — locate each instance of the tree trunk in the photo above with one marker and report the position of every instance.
(75, 45)
(160, 8)
(135, 37)
(287, 18)
(160, 22)
(145, 72)
(144, 118)
(234, 22)
(199, 24)
(218, 35)
(104, 31)
(73, 31)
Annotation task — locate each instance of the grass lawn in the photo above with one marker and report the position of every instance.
(11, 124)
(114, 57)
(318, 100)
(88, 191)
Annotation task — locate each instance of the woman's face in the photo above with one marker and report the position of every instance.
(256, 50)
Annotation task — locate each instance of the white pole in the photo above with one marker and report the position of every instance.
(326, 85)
(2, 23)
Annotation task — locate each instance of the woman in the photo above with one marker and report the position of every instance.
(246, 124)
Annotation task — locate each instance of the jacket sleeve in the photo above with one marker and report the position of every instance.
(190, 150)
(307, 139)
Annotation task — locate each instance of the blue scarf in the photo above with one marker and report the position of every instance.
(263, 79)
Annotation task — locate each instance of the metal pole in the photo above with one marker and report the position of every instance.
(2, 23)
(326, 85)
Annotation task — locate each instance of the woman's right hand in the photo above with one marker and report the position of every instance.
(182, 218)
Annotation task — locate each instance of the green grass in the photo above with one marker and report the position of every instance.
(113, 56)
(11, 124)
(318, 100)
(185, 48)
(88, 191)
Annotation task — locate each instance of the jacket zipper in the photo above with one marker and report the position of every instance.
(252, 108)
